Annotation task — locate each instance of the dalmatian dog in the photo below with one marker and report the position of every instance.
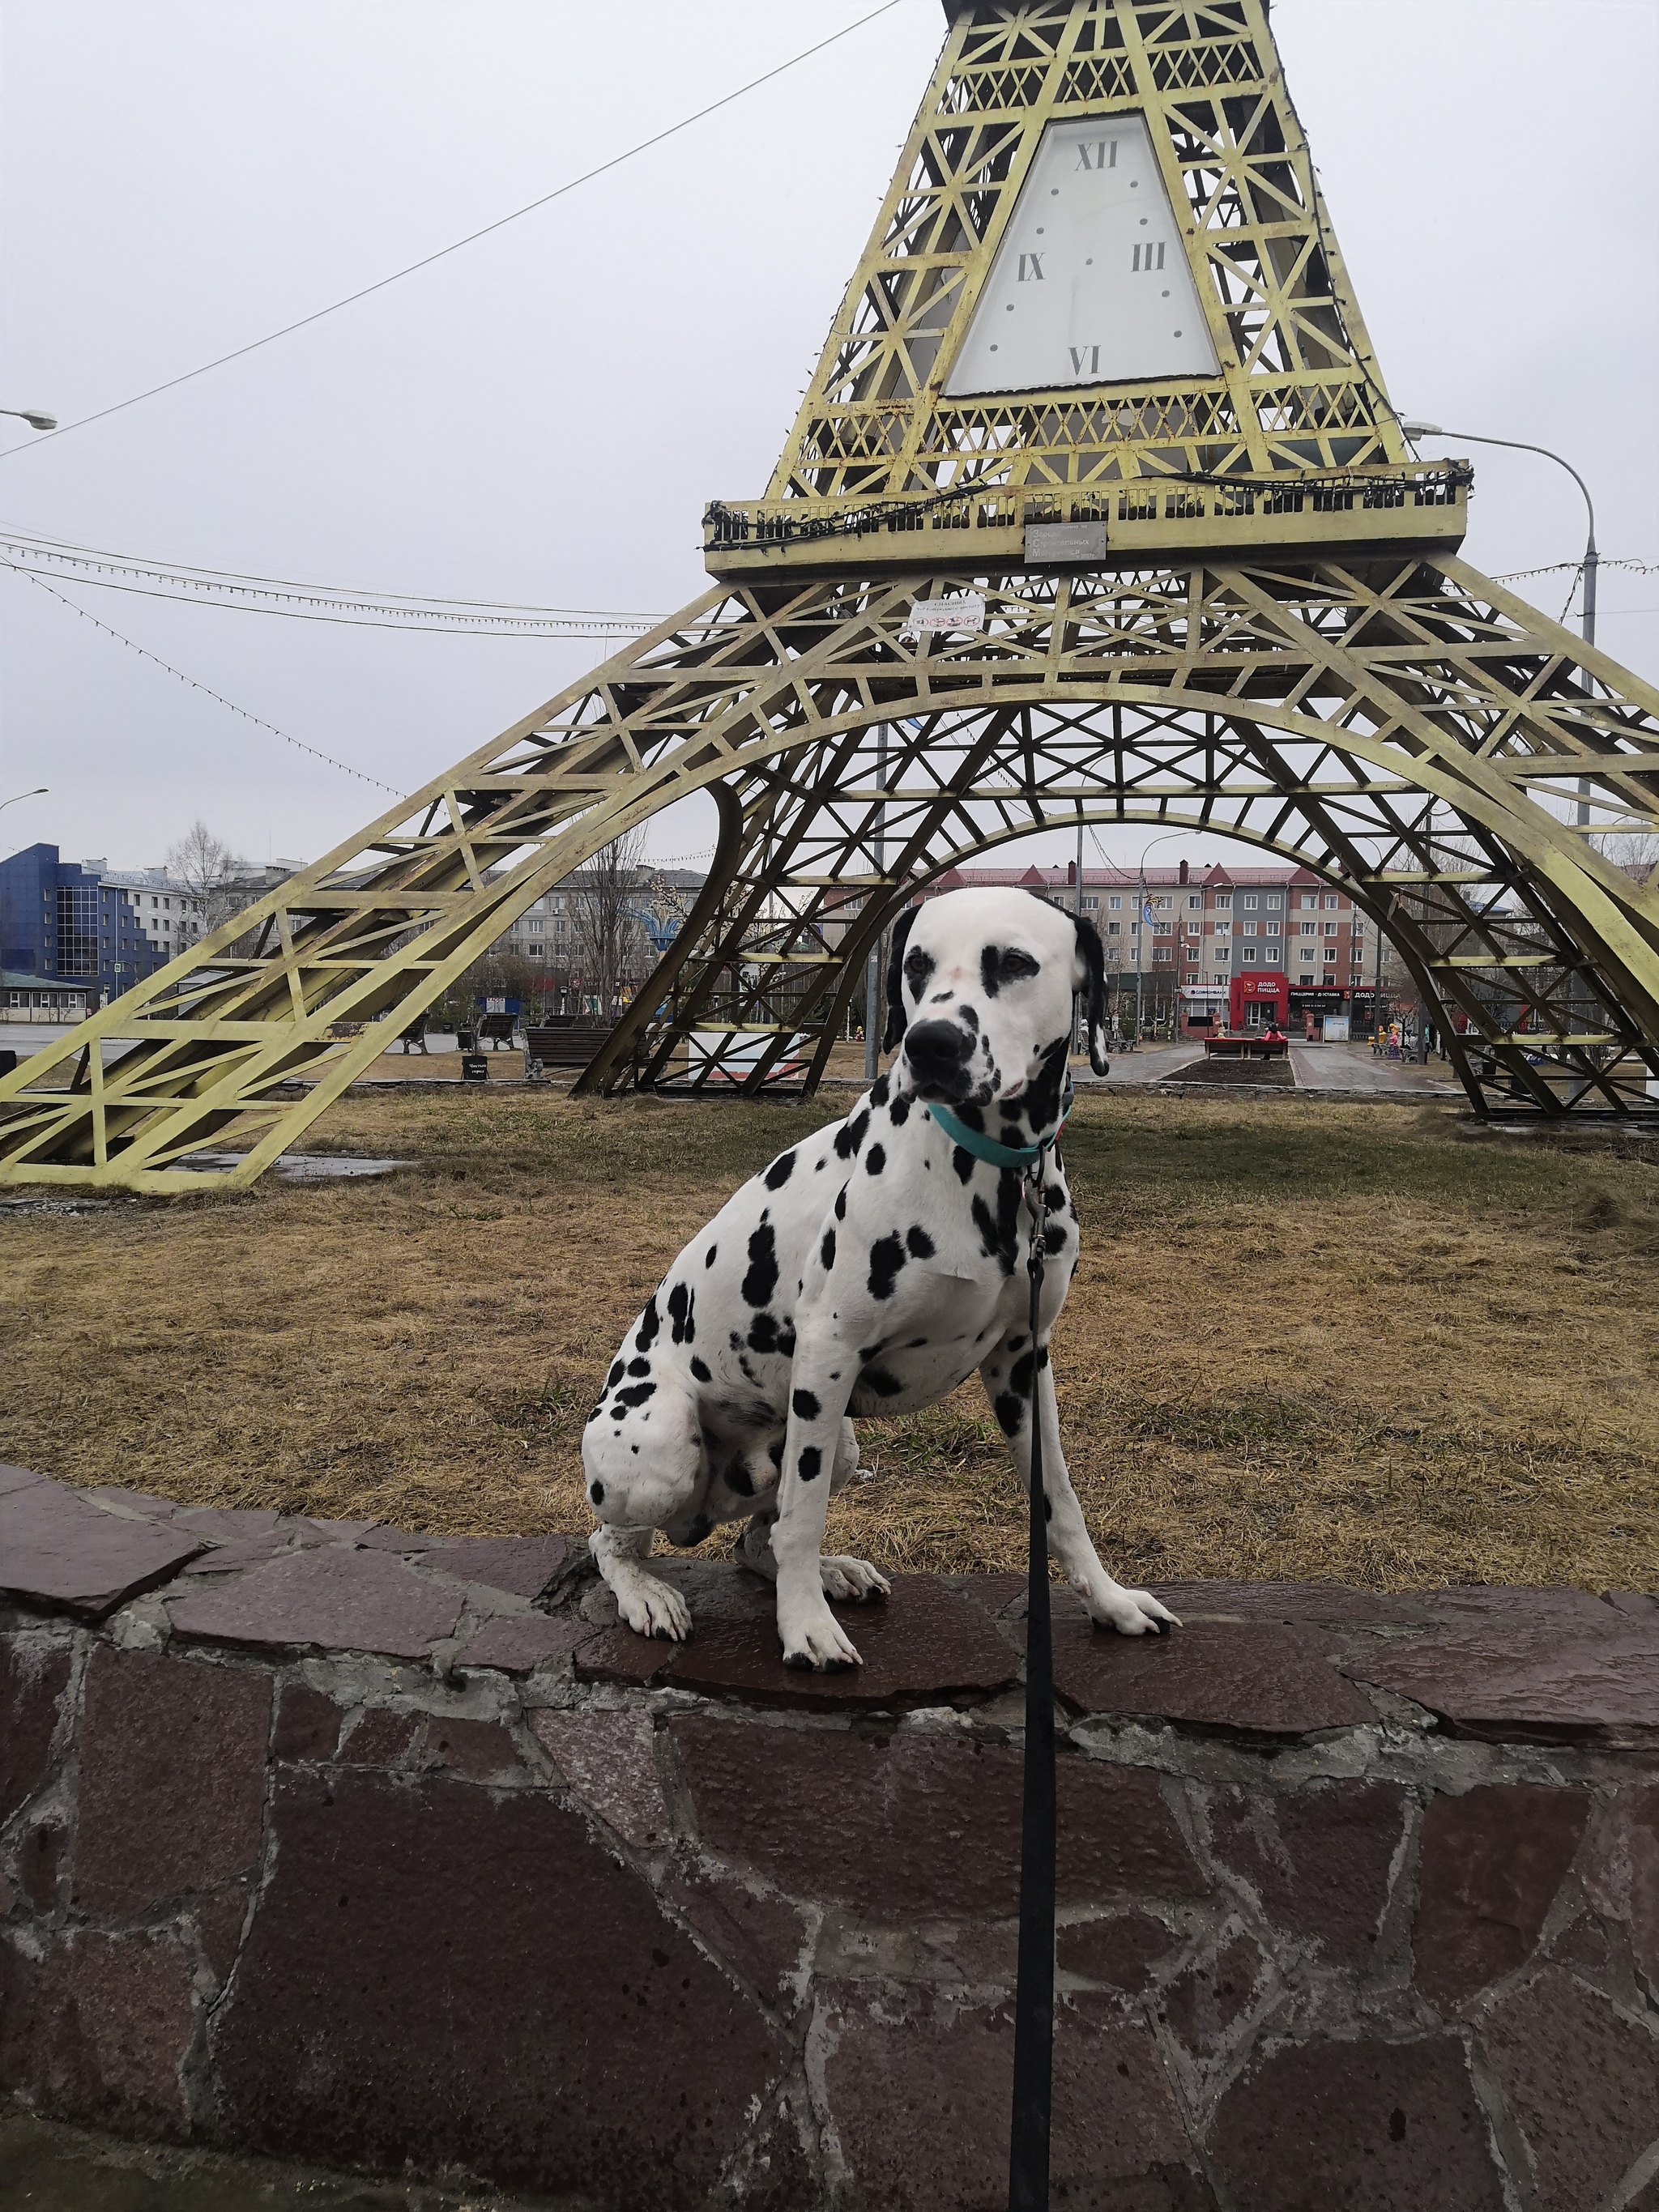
(869, 1270)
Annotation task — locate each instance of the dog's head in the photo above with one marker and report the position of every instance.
(980, 988)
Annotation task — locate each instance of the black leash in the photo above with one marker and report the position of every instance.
(1034, 1996)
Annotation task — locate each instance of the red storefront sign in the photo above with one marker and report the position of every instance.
(1247, 991)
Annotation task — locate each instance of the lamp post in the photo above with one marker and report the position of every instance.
(1417, 431)
(36, 417)
(39, 792)
(1140, 909)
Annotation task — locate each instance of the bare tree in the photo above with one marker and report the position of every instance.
(1635, 851)
(205, 866)
(611, 945)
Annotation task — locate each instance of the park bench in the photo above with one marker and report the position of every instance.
(496, 1029)
(564, 1041)
(1246, 1047)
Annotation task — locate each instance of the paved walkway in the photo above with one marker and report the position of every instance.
(1315, 1067)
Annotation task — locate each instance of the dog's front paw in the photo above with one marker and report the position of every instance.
(651, 1608)
(853, 1578)
(1131, 1613)
(815, 1639)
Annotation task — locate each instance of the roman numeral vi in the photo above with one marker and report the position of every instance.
(1080, 355)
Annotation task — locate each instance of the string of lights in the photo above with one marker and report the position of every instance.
(302, 602)
(144, 653)
(240, 353)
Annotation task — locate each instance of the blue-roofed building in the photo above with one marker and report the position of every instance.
(83, 922)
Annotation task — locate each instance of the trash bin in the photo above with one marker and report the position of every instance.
(475, 1068)
(466, 1040)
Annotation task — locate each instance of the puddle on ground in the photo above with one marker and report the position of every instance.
(46, 2168)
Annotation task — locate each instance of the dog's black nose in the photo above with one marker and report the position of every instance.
(937, 1052)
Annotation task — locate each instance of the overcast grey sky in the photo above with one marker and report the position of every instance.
(542, 417)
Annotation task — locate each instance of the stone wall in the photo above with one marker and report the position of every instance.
(384, 1851)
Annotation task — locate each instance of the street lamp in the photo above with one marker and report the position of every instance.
(1141, 910)
(1417, 431)
(39, 791)
(36, 417)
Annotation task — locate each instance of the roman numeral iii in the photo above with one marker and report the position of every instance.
(1153, 257)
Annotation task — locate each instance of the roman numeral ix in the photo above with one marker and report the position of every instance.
(1031, 262)
(1153, 257)
(1105, 155)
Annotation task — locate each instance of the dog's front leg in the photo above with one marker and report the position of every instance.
(1006, 1374)
(810, 1633)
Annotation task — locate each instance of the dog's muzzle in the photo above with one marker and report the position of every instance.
(939, 1053)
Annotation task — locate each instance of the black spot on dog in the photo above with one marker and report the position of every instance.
(596, 1491)
(594, 1415)
(681, 1302)
(850, 1135)
(615, 1376)
(639, 1366)
(919, 1243)
(649, 1324)
(878, 1092)
(774, 1451)
(763, 1332)
(1015, 1342)
(780, 1172)
(787, 1341)
(875, 1160)
(1054, 1237)
(962, 1161)
(634, 1450)
(806, 1405)
(918, 967)
(1053, 1198)
(870, 1351)
(971, 1118)
(886, 1258)
(970, 1020)
(899, 1112)
(827, 1250)
(811, 1460)
(695, 1534)
(998, 1239)
(709, 1256)
(1010, 1410)
(990, 970)
(841, 1203)
(1012, 1133)
(1048, 1507)
(762, 1278)
(915, 1343)
(703, 1374)
(637, 1395)
(880, 1382)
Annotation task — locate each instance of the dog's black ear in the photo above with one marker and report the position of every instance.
(896, 1016)
(1093, 992)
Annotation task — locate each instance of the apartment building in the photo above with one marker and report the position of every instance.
(87, 924)
(1203, 946)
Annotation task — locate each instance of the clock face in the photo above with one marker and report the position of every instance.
(1090, 283)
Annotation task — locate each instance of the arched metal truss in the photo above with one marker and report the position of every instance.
(1412, 730)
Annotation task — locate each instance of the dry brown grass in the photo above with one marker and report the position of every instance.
(1305, 1339)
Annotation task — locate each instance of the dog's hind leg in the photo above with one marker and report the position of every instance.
(1006, 1374)
(647, 1605)
(843, 1577)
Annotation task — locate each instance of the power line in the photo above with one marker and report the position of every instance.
(443, 252)
(326, 603)
(144, 653)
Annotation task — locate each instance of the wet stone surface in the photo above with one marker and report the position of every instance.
(353, 1844)
(1265, 1677)
(335, 1599)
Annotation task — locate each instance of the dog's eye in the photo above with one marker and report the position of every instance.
(1015, 966)
(918, 967)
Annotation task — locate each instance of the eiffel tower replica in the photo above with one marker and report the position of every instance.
(1097, 512)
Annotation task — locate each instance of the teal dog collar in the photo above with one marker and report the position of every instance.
(987, 1148)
